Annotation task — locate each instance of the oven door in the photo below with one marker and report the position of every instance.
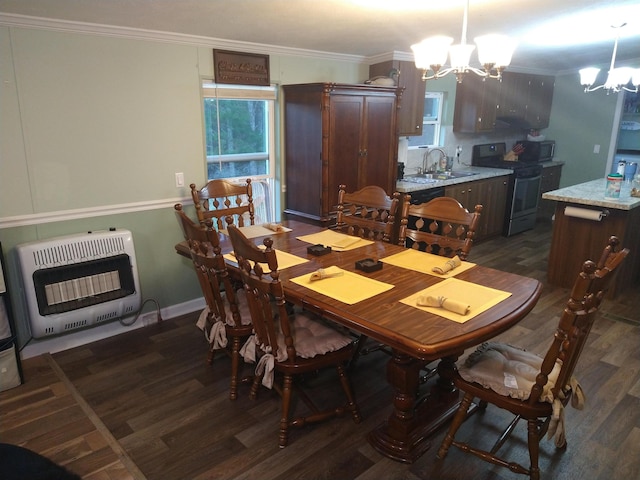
(524, 205)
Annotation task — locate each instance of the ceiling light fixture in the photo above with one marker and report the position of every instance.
(617, 79)
(494, 54)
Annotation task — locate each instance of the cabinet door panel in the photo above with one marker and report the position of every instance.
(475, 107)
(377, 166)
(345, 153)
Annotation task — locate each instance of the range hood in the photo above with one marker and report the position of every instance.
(507, 122)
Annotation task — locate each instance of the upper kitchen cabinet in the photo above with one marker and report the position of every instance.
(410, 114)
(475, 107)
(540, 96)
(524, 101)
(337, 134)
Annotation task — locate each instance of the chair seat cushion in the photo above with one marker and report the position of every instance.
(313, 338)
(507, 370)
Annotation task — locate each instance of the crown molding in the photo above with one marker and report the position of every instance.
(27, 21)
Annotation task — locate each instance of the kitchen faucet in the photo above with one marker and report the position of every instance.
(437, 165)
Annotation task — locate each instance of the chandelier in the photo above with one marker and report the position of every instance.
(617, 78)
(494, 54)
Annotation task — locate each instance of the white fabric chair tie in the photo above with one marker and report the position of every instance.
(218, 335)
(265, 368)
(202, 321)
(556, 424)
(248, 350)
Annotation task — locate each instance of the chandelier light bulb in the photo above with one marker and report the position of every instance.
(494, 53)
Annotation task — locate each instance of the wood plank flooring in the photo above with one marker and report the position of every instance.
(146, 405)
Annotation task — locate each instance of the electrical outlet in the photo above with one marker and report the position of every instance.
(149, 318)
(596, 148)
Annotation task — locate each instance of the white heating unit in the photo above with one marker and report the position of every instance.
(79, 281)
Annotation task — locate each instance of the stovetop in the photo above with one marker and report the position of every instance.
(492, 155)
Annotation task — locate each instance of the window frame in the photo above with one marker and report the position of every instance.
(248, 92)
(436, 122)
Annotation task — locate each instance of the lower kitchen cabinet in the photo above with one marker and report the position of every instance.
(550, 181)
(491, 193)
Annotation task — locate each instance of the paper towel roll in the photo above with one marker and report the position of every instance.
(595, 215)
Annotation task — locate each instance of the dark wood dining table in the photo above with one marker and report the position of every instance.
(416, 337)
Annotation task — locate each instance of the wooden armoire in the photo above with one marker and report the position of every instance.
(337, 134)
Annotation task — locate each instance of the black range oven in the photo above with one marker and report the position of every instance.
(524, 186)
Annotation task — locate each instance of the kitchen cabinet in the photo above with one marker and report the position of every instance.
(520, 101)
(550, 180)
(411, 112)
(337, 134)
(525, 97)
(491, 193)
(539, 98)
(475, 105)
(513, 95)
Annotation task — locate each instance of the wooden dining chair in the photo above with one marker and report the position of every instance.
(220, 199)
(531, 387)
(289, 345)
(442, 226)
(227, 315)
(371, 214)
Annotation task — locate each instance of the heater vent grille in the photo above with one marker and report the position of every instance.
(79, 281)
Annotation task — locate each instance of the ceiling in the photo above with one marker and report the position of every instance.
(370, 28)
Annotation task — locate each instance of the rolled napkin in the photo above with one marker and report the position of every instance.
(321, 274)
(443, 302)
(276, 227)
(448, 265)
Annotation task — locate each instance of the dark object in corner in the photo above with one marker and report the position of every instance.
(368, 265)
(18, 463)
(318, 250)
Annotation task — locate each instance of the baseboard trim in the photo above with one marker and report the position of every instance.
(59, 343)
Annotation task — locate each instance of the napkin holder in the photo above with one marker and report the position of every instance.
(318, 250)
(368, 265)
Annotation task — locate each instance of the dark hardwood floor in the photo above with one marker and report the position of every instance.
(146, 405)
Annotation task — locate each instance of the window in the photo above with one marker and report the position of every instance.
(239, 133)
(430, 122)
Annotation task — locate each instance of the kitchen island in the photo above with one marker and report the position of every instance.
(584, 220)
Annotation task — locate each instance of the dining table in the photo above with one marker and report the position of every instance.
(379, 285)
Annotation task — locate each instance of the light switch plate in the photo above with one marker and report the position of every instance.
(180, 179)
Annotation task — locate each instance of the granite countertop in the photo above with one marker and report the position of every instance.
(592, 193)
(479, 173)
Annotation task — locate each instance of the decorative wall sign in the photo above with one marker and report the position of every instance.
(240, 68)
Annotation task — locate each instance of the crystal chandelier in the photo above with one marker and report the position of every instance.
(494, 54)
(617, 79)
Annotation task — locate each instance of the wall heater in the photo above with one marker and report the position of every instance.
(79, 281)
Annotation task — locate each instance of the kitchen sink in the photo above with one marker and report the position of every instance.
(436, 177)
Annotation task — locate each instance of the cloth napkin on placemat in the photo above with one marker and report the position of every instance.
(345, 286)
(456, 294)
(428, 263)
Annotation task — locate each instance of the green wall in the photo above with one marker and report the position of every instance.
(579, 121)
(92, 131)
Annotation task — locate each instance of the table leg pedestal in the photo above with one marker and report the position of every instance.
(405, 435)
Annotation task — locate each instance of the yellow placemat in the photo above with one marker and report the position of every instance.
(285, 260)
(423, 262)
(336, 240)
(253, 231)
(349, 287)
(479, 297)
